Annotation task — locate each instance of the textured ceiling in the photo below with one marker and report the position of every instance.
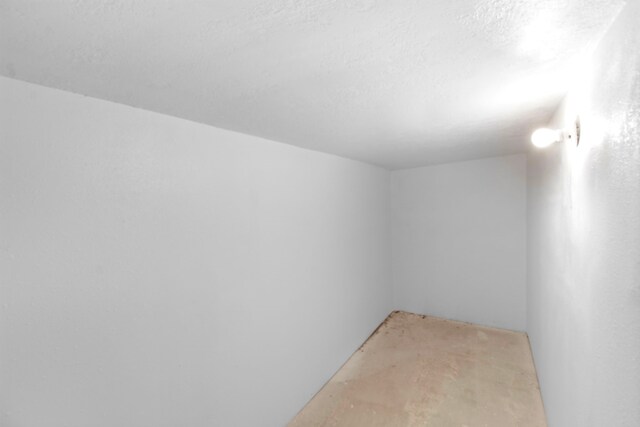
(394, 83)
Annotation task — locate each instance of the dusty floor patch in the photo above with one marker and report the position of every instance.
(425, 371)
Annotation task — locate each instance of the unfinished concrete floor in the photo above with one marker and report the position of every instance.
(425, 371)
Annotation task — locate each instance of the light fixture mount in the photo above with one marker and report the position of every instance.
(545, 137)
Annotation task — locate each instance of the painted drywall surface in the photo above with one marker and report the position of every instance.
(584, 244)
(459, 240)
(156, 271)
(399, 83)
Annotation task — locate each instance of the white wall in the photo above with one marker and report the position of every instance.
(459, 240)
(159, 272)
(584, 244)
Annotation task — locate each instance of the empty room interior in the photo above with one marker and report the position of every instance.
(357, 213)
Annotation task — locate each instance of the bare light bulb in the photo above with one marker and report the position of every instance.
(544, 137)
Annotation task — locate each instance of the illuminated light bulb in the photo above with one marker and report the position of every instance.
(544, 137)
